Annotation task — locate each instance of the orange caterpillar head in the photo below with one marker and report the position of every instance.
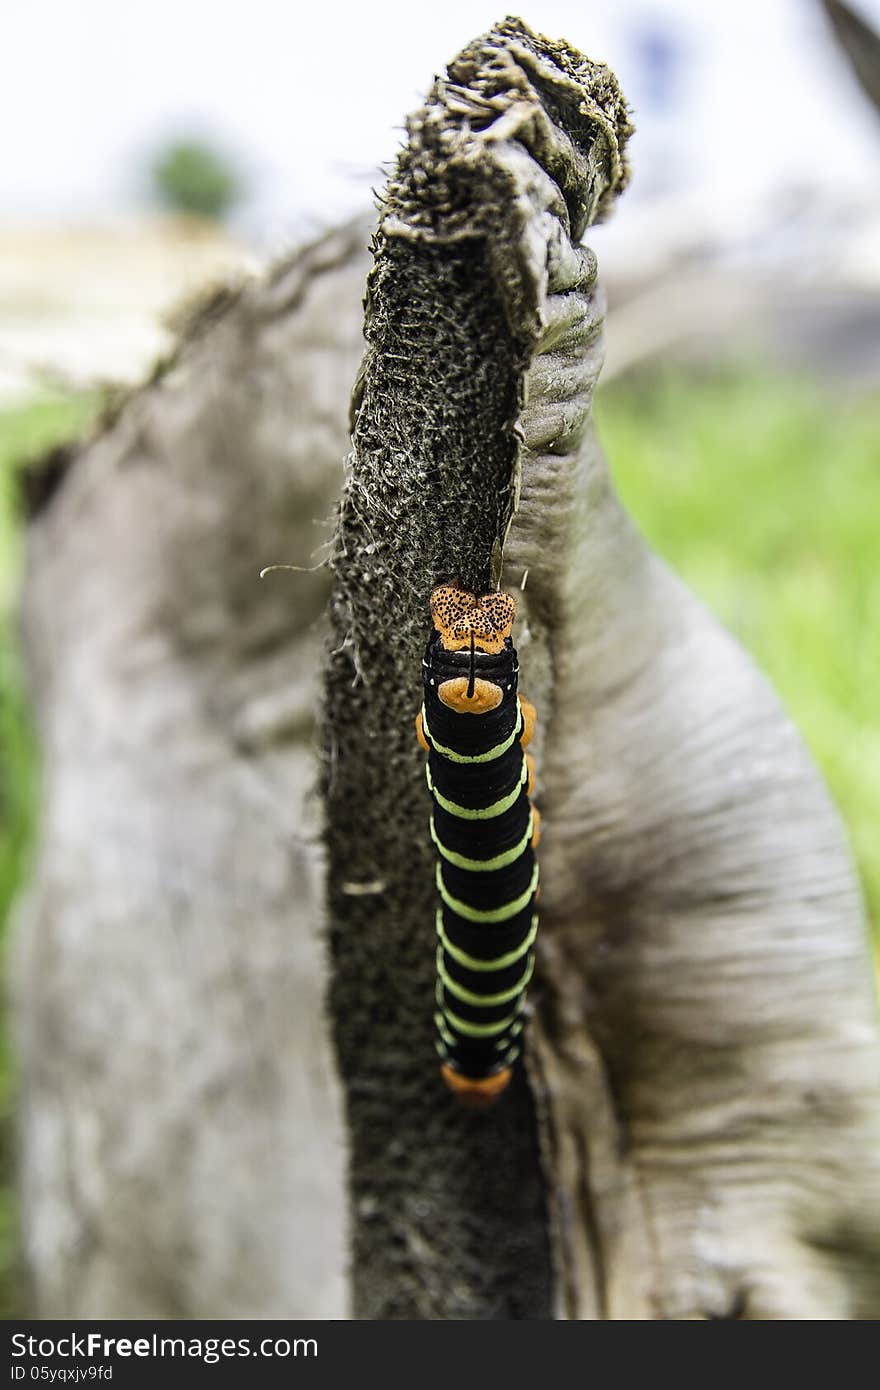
(464, 619)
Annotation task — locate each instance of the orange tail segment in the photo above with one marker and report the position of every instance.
(476, 1095)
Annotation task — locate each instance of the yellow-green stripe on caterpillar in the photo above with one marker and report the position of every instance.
(482, 1000)
(491, 914)
(476, 962)
(497, 808)
(486, 757)
(485, 866)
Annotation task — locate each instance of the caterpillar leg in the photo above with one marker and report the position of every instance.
(476, 1095)
(420, 733)
(536, 827)
(530, 719)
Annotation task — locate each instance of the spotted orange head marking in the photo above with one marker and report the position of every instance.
(460, 616)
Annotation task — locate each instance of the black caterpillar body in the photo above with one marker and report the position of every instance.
(474, 724)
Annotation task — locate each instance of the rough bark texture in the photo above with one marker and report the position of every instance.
(861, 44)
(707, 1045)
(710, 1129)
(181, 1143)
(449, 1211)
(704, 1051)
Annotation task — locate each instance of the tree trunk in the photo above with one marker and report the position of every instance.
(699, 1132)
(182, 1151)
(475, 280)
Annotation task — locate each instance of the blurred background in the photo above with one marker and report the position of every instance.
(152, 148)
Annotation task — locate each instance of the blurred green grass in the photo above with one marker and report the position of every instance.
(26, 432)
(763, 494)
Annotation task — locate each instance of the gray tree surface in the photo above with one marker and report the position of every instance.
(698, 1134)
(181, 1142)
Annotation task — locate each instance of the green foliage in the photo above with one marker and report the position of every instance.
(764, 495)
(25, 432)
(192, 177)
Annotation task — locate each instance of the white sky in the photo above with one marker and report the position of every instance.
(88, 88)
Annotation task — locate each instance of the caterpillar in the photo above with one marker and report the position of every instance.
(474, 726)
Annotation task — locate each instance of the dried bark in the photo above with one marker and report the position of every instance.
(709, 1132)
(861, 44)
(181, 1143)
(703, 1055)
(450, 1216)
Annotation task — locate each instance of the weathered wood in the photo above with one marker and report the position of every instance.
(703, 1055)
(474, 275)
(705, 1050)
(181, 1145)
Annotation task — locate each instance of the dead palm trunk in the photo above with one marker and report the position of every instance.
(698, 1135)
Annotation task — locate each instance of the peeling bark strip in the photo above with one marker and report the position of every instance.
(179, 1135)
(518, 148)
